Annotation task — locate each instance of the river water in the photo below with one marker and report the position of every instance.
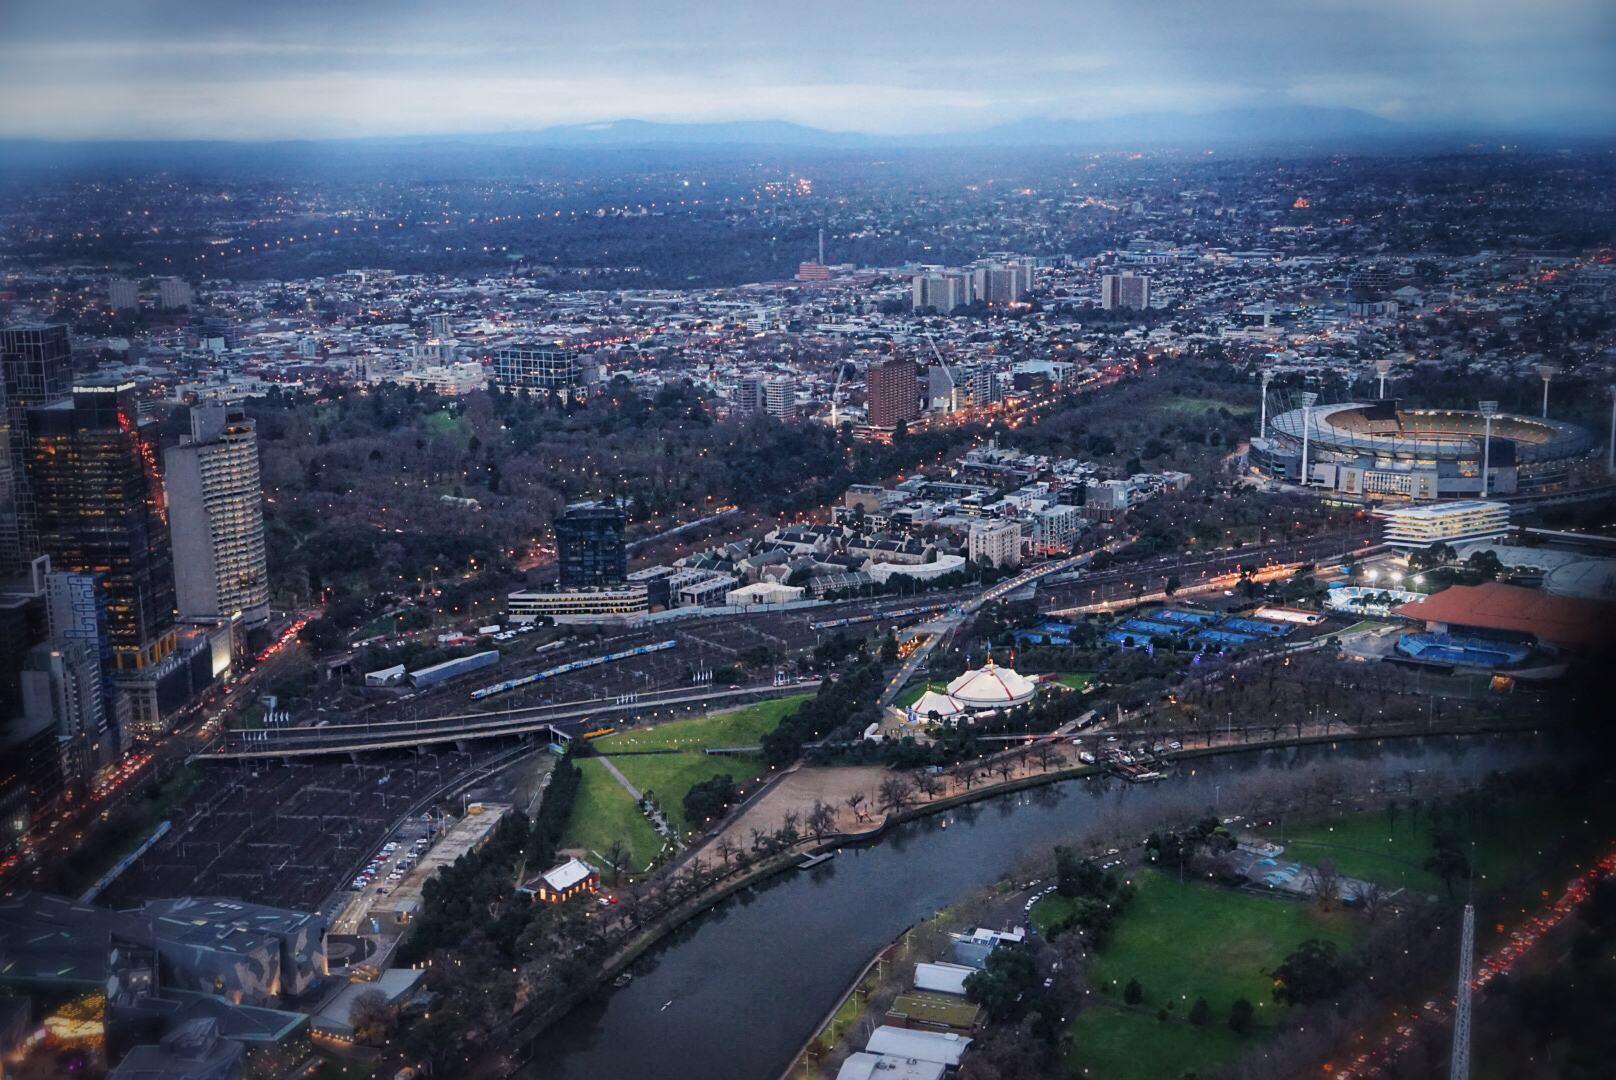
(734, 994)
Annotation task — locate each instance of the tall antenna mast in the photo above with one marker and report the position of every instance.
(1460, 1067)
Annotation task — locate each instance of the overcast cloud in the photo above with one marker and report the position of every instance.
(247, 69)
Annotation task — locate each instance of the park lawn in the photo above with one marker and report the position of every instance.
(912, 695)
(1077, 680)
(671, 776)
(603, 813)
(334, 1068)
(741, 727)
(445, 422)
(1367, 846)
(1113, 1043)
(1194, 407)
(1184, 940)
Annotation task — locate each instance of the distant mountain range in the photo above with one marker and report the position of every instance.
(1292, 129)
(1287, 124)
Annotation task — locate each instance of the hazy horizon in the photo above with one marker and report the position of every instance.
(181, 69)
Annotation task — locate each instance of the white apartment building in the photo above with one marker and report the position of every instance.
(998, 542)
(216, 519)
(1417, 527)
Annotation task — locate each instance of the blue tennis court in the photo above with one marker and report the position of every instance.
(1224, 637)
(1195, 618)
(1150, 626)
(1258, 626)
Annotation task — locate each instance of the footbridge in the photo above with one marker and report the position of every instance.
(560, 723)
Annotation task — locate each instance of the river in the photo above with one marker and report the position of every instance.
(735, 993)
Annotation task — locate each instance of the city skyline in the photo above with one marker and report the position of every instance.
(92, 70)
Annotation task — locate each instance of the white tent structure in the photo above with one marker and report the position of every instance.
(931, 702)
(992, 687)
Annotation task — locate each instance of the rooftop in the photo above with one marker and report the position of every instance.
(1561, 620)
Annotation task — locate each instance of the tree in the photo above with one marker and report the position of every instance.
(821, 820)
(709, 799)
(1008, 979)
(1240, 1014)
(617, 856)
(371, 1017)
(1315, 971)
(1172, 585)
(1446, 861)
(1325, 882)
(1199, 1012)
(855, 803)
(1133, 993)
(1046, 753)
(894, 793)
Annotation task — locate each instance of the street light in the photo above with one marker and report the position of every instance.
(1489, 409)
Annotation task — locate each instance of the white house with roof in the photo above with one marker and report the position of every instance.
(566, 881)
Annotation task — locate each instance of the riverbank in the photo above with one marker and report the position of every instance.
(739, 879)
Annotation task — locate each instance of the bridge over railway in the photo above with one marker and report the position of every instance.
(560, 723)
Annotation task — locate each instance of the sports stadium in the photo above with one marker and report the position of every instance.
(1376, 450)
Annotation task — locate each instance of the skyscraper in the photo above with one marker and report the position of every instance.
(589, 542)
(216, 519)
(36, 363)
(98, 510)
(894, 392)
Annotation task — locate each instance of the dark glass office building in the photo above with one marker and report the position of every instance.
(589, 539)
(36, 366)
(98, 510)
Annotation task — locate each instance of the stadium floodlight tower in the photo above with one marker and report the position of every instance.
(1262, 427)
(1489, 409)
(1610, 464)
(1307, 423)
(1382, 366)
(1547, 372)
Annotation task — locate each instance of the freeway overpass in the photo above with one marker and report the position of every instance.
(560, 722)
(944, 624)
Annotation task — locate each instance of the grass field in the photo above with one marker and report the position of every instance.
(1188, 408)
(603, 813)
(742, 727)
(670, 776)
(1077, 680)
(1111, 1043)
(1184, 941)
(1367, 846)
(913, 694)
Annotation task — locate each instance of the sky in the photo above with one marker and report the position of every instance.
(274, 69)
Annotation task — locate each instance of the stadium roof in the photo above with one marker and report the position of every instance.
(1561, 620)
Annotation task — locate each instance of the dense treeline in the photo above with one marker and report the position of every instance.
(848, 705)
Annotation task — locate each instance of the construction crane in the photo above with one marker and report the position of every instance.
(835, 416)
(953, 386)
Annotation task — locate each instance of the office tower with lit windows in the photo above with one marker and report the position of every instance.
(590, 548)
(36, 365)
(98, 510)
(216, 519)
(893, 391)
